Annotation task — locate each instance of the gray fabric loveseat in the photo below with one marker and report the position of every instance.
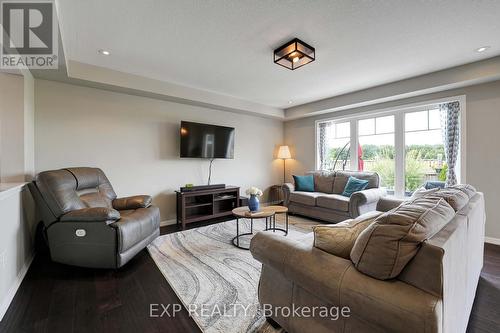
(326, 202)
(412, 266)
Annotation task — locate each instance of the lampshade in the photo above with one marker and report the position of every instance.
(284, 153)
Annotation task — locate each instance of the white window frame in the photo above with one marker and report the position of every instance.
(399, 135)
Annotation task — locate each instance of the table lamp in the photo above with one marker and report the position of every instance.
(284, 154)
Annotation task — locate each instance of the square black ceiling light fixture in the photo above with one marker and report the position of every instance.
(294, 54)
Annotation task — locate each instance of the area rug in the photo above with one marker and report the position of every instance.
(214, 280)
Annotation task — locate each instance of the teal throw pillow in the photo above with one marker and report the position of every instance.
(304, 183)
(353, 185)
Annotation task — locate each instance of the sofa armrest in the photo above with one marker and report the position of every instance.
(365, 201)
(312, 268)
(96, 214)
(387, 203)
(287, 189)
(133, 202)
(334, 280)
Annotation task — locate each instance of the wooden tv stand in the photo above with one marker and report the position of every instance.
(203, 205)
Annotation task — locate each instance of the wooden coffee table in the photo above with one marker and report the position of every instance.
(244, 212)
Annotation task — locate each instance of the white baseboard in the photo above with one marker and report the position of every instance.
(492, 240)
(13, 289)
(167, 222)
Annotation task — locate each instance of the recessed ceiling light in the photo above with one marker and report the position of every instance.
(482, 49)
(104, 52)
(290, 102)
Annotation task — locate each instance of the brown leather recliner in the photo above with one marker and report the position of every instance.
(86, 224)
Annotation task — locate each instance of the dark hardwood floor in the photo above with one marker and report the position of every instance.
(485, 315)
(58, 298)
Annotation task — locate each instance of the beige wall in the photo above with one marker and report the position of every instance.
(483, 139)
(11, 128)
(135, 141)
(29, 127)
(16, 127)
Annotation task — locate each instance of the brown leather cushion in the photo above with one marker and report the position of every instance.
(136, 226)
(384, 248)
(95, 199)
(74, 188)
(58, 189)
(305, 198)
(94, 179)
(92, 215)
(133, 202)
(333, 201)
(338, 239)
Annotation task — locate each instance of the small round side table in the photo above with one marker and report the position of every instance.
(277, 210)
(244, 212)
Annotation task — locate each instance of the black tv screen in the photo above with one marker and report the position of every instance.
(206, 141)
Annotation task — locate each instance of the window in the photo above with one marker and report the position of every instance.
(404, 146)
(376, 148)
(334, 151)
(424, 149)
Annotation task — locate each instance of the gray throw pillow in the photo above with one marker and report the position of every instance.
(338, 239)
(386, 246)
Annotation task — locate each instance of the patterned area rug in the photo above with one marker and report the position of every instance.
(216, 281)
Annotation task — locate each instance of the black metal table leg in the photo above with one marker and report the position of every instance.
(272, 224)
(238, 232)
(236, 240)
(270, 221)
(286, 223)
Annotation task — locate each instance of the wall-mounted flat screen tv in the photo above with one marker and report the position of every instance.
(206, 141)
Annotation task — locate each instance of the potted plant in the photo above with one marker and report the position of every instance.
(253, 202)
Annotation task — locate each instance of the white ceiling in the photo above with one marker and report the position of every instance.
(226, 46)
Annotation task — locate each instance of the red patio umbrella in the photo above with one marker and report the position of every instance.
(361, 163)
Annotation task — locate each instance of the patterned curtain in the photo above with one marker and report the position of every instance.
(322, 144)
(450, 123)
